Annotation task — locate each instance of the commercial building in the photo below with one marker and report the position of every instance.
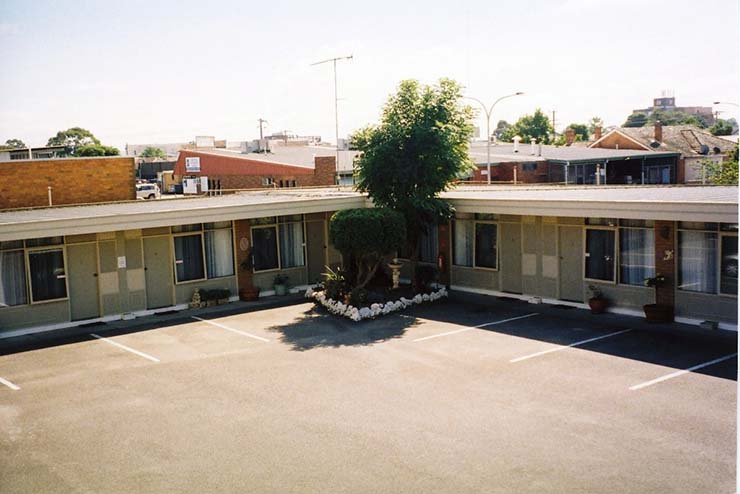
(71, 265)
(667, 102)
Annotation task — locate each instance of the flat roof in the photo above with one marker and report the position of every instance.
(670, 203)
(288, 155)
(502, 153)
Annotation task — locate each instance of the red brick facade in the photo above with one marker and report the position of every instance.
(235, 172)
(243, 242)
(665, 264)
(24, 183)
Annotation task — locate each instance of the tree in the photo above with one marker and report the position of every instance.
(636, 120)
(581, 131)
(96, 150)
(365, 237)
(153, 152)
(501, 128)
(721, 128)
(13, 144)
(419, 148)
(73, 138)
(536, 125)
(675, 117)
(723, 173)
(595, 123)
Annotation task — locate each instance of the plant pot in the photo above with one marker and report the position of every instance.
(658, 313)
(281, 289)
(598, 305)
(249, 294)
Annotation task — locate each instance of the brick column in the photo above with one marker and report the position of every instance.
(665, 253)
(443, 236)
(243, 242)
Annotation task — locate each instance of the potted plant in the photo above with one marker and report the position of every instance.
(251, 292)
(657, 312)
(280, 284)
(597, 302)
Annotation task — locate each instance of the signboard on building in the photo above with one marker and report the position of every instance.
(190, 186)
(204, 184)
(192, 164)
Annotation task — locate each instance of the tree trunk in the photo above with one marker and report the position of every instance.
(370, 274)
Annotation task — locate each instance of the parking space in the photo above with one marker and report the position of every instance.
(469, 395)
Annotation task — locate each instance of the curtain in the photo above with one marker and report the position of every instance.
(47, 274)
(600, 254)
(189, 258)
(697, 263)
(463, 243)
(219, 253)
(636, 255)
(13, 278)
(429, 244)
(291, 245)
(485, 245)
(728, 275)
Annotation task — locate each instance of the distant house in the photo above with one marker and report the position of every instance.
(692, 143)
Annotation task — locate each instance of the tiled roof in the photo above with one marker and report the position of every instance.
(503, 153)
(684, 139)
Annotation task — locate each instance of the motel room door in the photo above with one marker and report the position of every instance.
(315, 250)
(570, 251)
(83, 281)
(157, 272)
(511, 257)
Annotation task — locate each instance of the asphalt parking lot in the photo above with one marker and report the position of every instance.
(472, 395)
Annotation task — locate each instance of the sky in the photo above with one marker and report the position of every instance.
(154, 72)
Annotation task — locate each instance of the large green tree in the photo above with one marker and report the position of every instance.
(501, 128)
(581, 131)
(153, 152)
(417, 151)
(73, 138)
(536, 125)
(721, 128)
(636, 120)
(96, 150)
(13, 144)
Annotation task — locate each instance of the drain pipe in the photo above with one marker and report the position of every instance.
(48, 191)
(515, 170)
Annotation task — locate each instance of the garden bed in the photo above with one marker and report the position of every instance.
(376, 309)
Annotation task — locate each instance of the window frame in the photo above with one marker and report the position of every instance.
(474, 220)
(615, 261)
(495, 223)
(202, 232)
(618, 251)
(718, 268)
(29, 278)
(720, 236)
(275, 225)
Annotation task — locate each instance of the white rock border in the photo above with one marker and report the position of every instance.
(374, 310)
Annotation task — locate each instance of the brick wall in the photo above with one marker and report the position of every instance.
(24, 183)
(243, 236)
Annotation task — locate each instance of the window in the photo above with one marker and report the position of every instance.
(463, 239)
(599, 254)
(48, 278)
(277, 243)
(268, 181)
(485, 245)
(206, 253)
(707, 258)
(636, 252)
(13, 287)
(429, 244)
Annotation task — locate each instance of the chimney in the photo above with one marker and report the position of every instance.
(570, 136)
(516, 140)
(597, 133)
(658, 131)
(532, 141)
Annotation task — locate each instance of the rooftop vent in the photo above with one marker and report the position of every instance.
(654, 144)
(704, 149)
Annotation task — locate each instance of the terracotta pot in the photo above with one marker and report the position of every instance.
(249, 294)
(598, 305)
(658, 313)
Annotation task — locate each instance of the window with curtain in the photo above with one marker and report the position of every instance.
(600, 254)
(264, 248)
(728, 269)
(219, 253)
(697, 261)
(485, 245)
(636, 255)
(429, 244)
(46, 268)
(291, 245)
(189, 258)
(463, 238)
(13, 288)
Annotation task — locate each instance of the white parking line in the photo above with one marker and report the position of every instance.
(9, 384)
(681, 372)
(564, 347)
(124, 347)
(476, 327)
(243, 333)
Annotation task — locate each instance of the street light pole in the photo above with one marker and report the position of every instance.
(336, 104)
(489, 111)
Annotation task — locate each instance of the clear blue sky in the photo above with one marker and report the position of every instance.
(142, 72)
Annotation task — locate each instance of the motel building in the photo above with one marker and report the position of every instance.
(70, 265)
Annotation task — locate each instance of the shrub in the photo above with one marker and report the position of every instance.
(425, 275)
(214, 294)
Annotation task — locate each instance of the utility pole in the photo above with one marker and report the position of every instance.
(336, 103)
(554, 132)
(262, 121)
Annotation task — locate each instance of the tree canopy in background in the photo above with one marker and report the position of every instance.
(419, 148)
(666, 117)
(153, 152)
(501, 128)
(721, 128)
(724, 173)
(636, 120)
(536, 125)
(13, 144)
(96, 150)
(73, 138)
(581, 131)
(594, 123)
